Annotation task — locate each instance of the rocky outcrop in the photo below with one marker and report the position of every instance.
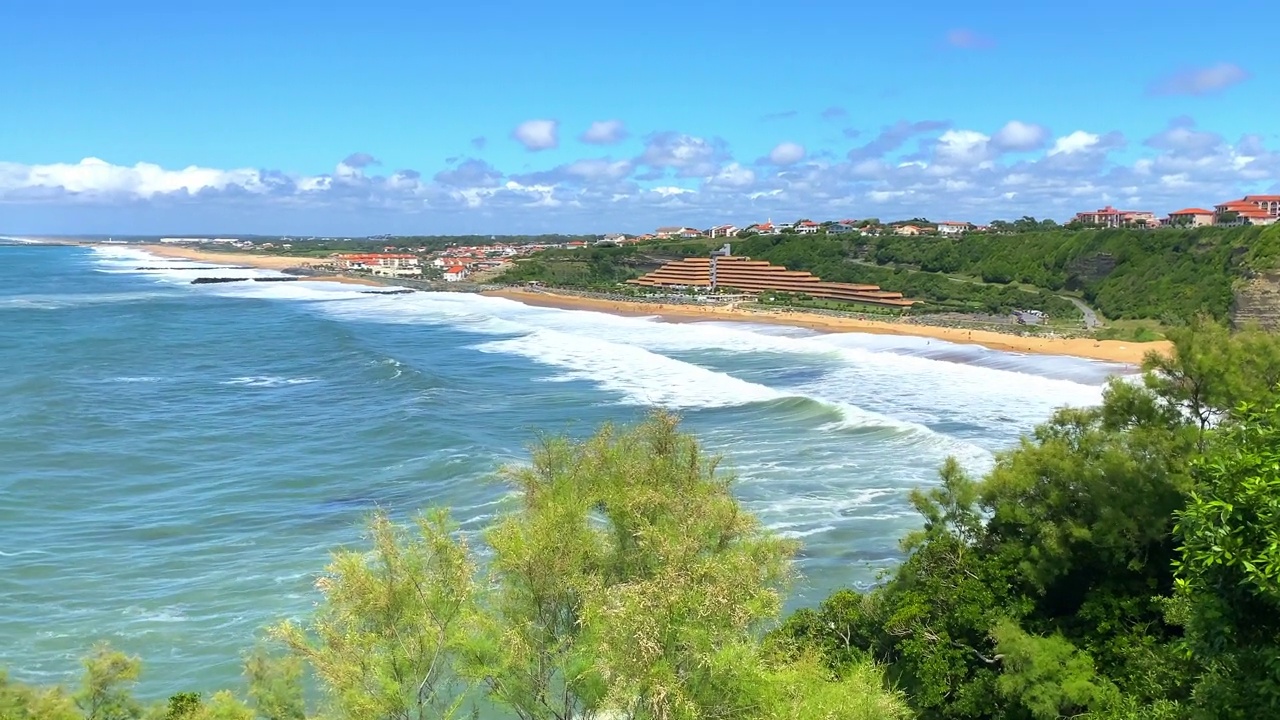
(1257, 301)
(1089, 269)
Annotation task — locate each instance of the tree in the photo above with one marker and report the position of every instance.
(1228, 586)
(387, 638)
(627, 582)
(1044, 589)
(106, 692)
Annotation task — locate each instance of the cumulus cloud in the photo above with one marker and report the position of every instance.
(963, 147)
(968, 39)
(537, 135)
(1082, 142)
(1183, 139)
(604, 132)
(360, 160)
(893, 137)
(1200, 81)
(470, 173)
(786, 153)
(96, 177)
(687, 155)
(1018, 136)
(973, 173)
(733, 176)
(601, 171)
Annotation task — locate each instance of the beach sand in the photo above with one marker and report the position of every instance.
(1108, 350)
(266, 262)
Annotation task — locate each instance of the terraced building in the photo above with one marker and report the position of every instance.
(723, 271)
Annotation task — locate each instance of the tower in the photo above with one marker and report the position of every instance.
(715, 255)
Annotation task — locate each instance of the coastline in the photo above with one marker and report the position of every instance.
(264, 262)
(1117, 351)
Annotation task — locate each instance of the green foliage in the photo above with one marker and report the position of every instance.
(1046, 589)
(1229, 569)
(1124, 273)
(628, 579)
(602, 267)
(1048, 675)
(183, 706)
(838, 258)
(385, 640)
(106, 692)
(1168, 275)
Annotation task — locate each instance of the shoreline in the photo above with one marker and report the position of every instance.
(255, 260)
(1116, 351)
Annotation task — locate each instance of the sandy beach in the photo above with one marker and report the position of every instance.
(266, 262)
(1108, 350)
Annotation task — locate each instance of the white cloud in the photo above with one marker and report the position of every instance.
(599, 169)
(734, 176)
(786, 153)
(671, 191)
(1078, 141)
(94, 176)
(1200, 81)
(537, 134)
(688, 155)
(963, 147)
(1020, 137)
(679, 179)
(604, 132)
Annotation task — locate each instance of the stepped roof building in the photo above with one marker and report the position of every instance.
(740, 273)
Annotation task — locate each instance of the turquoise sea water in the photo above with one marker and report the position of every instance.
(176, 461)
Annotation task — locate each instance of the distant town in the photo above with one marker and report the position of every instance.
(460, 263)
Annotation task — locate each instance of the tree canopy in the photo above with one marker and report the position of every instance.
(1122, 561)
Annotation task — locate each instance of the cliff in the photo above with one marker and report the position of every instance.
(1257, 300)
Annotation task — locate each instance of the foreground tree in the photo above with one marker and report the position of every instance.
(627, 583)
(1229, 569)
(1046, 589)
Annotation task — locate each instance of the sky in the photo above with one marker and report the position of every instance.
(144, 117)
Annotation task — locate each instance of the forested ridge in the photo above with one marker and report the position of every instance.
(1121, 563)
(1167, 275)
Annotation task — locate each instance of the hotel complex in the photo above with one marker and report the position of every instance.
(724, 271)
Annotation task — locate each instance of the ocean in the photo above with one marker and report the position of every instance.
(178, 460)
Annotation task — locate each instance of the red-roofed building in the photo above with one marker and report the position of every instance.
(808, 227)
(457, 273)
(1191, 217)
(1243, 212)
(1270, 203)
(1113, 218)
(392, 264)
(949, 227)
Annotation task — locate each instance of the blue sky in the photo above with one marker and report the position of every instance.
(348, 118)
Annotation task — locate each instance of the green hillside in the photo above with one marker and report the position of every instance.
(1155, 275)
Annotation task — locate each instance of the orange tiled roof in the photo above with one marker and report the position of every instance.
(1193, 211)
